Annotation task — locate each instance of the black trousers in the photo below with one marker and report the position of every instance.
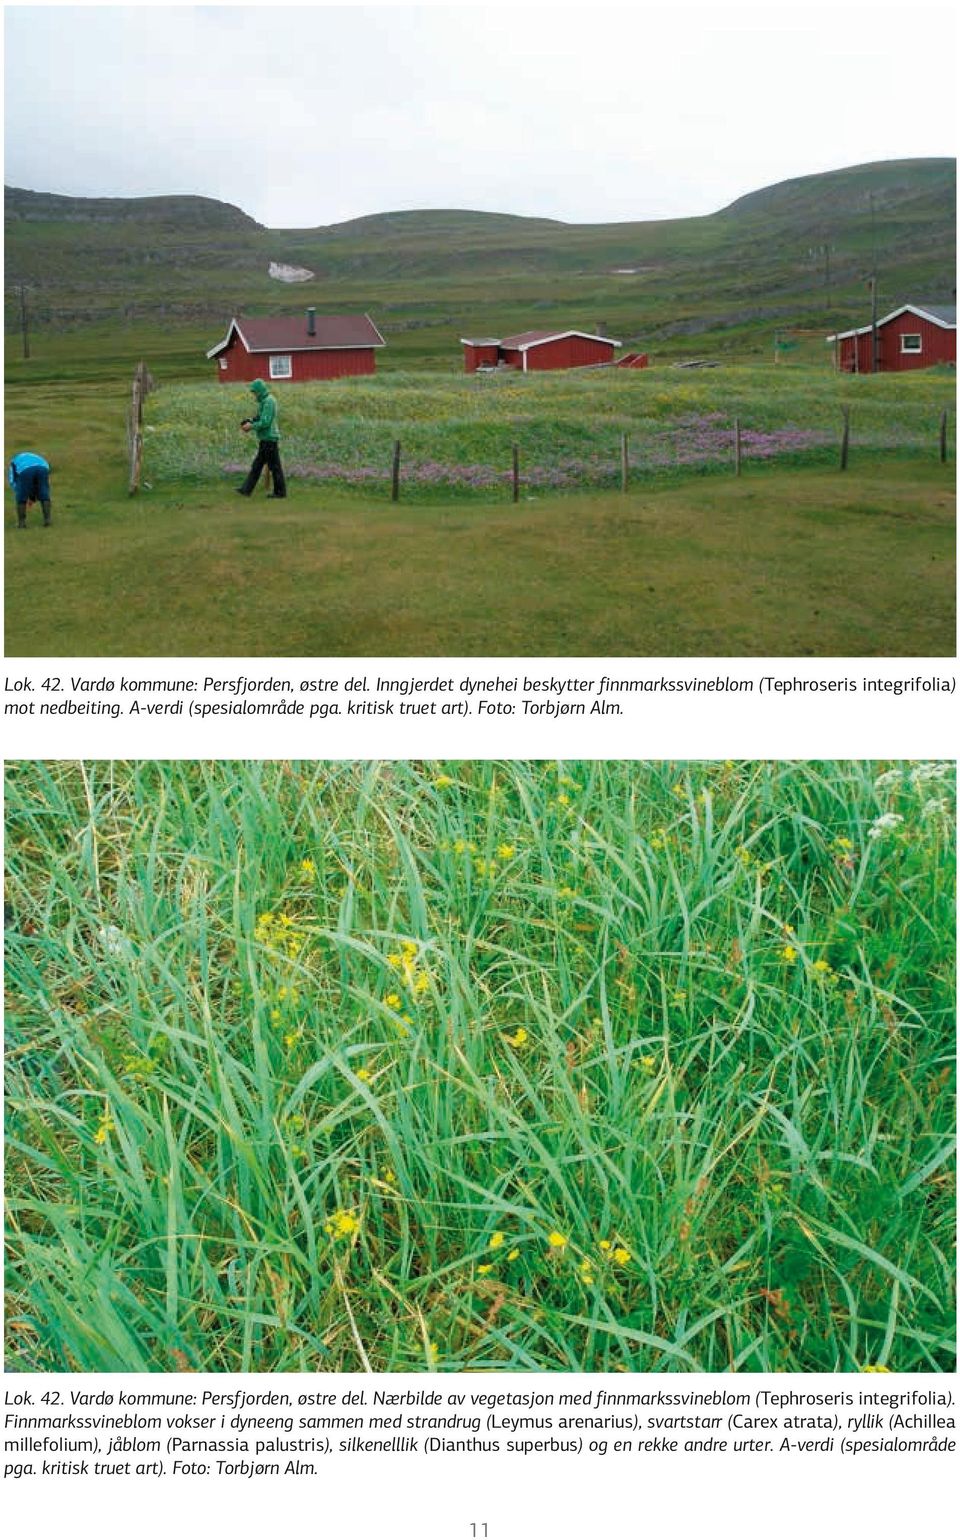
(268, 453)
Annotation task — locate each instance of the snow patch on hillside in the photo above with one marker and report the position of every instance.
(284, 273)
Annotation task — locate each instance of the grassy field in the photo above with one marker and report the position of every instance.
(480, 1066)
(793, 558)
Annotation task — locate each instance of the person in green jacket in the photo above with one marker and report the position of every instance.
(264, 425)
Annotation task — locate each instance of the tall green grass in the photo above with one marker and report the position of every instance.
(635, 1066)
(458, 430)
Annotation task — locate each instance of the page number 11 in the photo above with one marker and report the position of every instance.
(479, 1531)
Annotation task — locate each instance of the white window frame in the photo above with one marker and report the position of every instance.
(911, 337)
(223, 363)
(278, 373)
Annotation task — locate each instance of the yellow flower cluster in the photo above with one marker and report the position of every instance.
(342, 1223)
(278, 931)
(406, 964)
(105, 1128)
(516, 1039)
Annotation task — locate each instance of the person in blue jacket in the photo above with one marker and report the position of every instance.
(29, 476)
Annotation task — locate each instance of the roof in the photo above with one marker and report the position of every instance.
(524, 340)
(940, 315)
(288, 334)
(521, 341)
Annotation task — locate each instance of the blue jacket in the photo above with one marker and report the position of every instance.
(23, 462)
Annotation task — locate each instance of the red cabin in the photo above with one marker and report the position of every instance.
(290, 347)
(912, 337)
(538, 350)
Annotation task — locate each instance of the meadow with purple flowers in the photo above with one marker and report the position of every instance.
(457, 432)
(792, 558)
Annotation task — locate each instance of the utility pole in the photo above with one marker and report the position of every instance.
(874, 337)
(24, 324)
(826, 271)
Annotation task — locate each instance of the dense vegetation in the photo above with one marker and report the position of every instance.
(480, 1066)
(456, 431)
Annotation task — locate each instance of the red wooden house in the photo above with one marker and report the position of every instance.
(291, 347)
(538, 350)
(912, 337)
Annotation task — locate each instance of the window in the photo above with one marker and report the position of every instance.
(280, 366)
(911, 342)
(223, 363)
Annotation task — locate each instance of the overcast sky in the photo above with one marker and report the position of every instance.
(306, 115)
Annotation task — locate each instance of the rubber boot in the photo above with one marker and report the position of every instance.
(21, 515)
(46, 512)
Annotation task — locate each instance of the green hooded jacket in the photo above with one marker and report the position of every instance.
(264, 425)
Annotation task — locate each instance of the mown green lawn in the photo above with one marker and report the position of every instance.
(475, 1066)
(794, 558)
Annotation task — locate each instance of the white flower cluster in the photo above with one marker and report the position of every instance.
(883, 825)
(919, 775)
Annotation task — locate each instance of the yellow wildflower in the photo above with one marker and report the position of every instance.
(308, 867)
(104, 1128)
(557, 1241)
(789, 954)
(518, 1039)
(364, 1074)
(342, 1224)
(485, 1267)
(441, 781)
(291, 1039)
(506, 851)
(821, 966)
(605, 1245)
(874, 1369)
(513, 1254)
(393, 1000)
(421, 982)
(586, 1272)
(389, 1175)
(621, 1255)
(496, 1240)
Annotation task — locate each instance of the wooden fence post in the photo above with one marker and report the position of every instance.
(395, 479)
(736, 445)
(516, 473)
(624, 462)
(845, 440)
(135, 431)
(142, 385)
(943, 437)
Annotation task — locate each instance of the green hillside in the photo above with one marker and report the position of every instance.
(109, 277)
